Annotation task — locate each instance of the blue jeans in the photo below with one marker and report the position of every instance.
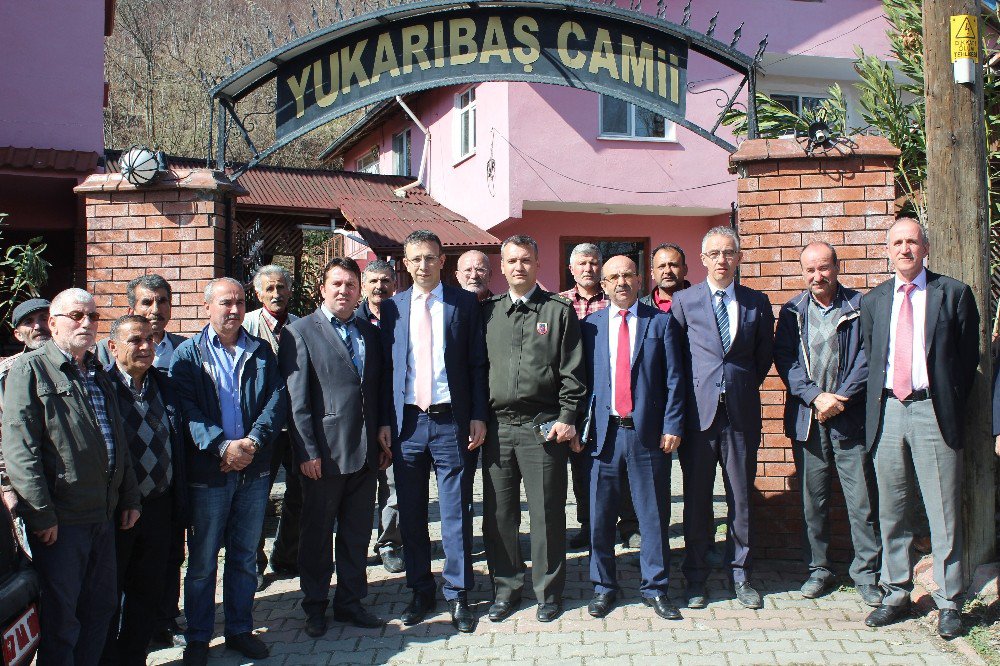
(230, 515)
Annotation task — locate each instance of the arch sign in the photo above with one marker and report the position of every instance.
(623, 53)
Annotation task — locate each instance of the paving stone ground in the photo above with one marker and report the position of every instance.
(788, 630)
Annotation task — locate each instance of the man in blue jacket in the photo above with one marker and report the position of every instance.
(233, 399)
(819, 356)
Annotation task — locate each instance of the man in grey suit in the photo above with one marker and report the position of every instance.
(730, 331)
(921, 334)
(332, 363)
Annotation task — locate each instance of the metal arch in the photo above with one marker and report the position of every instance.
(260, 72)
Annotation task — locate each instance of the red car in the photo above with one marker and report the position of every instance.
(19, 621)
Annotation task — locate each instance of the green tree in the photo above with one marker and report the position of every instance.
(23, 272)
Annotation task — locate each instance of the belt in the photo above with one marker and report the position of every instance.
(623, 422)
(439, 408)
(916, 396)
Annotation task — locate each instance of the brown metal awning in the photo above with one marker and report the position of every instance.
(48, 159)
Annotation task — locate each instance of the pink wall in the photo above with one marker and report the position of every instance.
(548, 227)
(52, 74)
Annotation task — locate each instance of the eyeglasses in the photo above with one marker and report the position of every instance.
(77, 315)
(478, 271)
(715, 254)
(628, 275)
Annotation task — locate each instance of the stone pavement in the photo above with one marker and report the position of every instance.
(788, 630)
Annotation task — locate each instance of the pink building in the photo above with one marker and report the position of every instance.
(51, 123)
(567, 166)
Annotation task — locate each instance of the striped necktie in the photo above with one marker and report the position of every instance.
(722, 319)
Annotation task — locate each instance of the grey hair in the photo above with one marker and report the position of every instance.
(380, 266)
(210, 287)
(150, 281)
(721, 231)
(586, 250)
(923, 230)
(271, 269)
(521, 240)
(69, 296)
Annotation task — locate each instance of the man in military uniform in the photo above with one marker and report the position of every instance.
(536, 395)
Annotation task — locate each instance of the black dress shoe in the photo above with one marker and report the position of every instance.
(662, 606)
(601, 604)
(870, 594)
(392, 560)
(949, 623)
(581, 539)
(359, 617)
(501, 610)
(886, 615)
(196, 653)
(696, 597)
(419, 607)
(461, 616)
(315, 626)
(170, 635)
(548, 612)
(746, 595)
(248, 645)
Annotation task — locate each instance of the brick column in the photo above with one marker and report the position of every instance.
(174, 227)
(843, 195)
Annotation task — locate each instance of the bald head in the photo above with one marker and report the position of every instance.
(620, 279)
(474, 273)
(820, 271)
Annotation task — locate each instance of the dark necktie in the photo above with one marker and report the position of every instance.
(623, 369)
(346, 339)
(722, 319)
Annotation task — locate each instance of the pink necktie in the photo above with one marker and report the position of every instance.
(422, 355)
(623, 370)
(902, 358)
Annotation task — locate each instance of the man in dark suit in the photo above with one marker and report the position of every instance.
(434, 335)
(633, 354)
(921, 334)
(332, 364)
(730, 330)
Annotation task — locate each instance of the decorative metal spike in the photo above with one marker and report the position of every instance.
(316, 18)
(661, 9)
(270, 38)
(637, 5)
(737, 34)
(711, 25)
(760, 49)
(687, 14)
(291, 28)
(340, 10)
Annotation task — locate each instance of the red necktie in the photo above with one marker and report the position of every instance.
(623, 369)
(902, 357)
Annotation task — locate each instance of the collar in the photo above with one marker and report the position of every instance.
(527, 297)
(920, 281)
(272, 320)
(216, 341)
(730, 290)
(130, 383)
(613, 310)
(437, 292)
(88, 357)
(334, 319)
(838, 297)
(164, 344)
(599, 296)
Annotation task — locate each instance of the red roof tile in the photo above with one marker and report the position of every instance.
(47, 159)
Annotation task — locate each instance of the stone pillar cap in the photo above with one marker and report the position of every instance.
(761, 150)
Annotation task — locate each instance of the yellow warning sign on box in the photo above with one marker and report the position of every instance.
(964, 37)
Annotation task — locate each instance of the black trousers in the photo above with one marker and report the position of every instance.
(143, 555)
(285, 552)
(348, 500)
(170, 601)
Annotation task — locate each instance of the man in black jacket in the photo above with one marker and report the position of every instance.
(817, 351)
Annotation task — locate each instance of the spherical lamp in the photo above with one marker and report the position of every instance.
(139, 165)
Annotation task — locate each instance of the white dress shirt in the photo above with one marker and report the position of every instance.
(918, 366)
(732, 307)
(522, 299)
(440, 392)
(614, 326)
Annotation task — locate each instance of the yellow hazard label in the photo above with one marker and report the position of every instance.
(964, 37)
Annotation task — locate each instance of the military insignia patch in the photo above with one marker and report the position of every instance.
(542, 328)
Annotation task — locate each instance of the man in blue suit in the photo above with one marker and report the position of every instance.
(434, 335)
(730, 332)
(633, 354)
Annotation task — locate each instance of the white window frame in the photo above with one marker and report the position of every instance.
(461, 110)
(401, 162)
(799, 96)
(368, 160)
(669, 127)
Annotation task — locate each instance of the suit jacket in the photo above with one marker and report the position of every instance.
(333, 411)
(951, 340)
(464, 356)
(657, 375)
(743, 369)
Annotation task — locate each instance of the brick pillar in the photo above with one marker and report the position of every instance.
(174, 227)
(843, 195)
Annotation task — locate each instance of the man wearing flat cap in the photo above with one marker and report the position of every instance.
(30, 321)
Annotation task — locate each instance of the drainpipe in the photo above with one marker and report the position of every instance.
(401, 192)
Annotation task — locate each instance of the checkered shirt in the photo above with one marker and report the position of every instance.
(586, 306)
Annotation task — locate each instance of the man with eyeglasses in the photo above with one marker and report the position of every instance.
(69, 463)
(730, 330)
(434, 334)
(474, 274)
